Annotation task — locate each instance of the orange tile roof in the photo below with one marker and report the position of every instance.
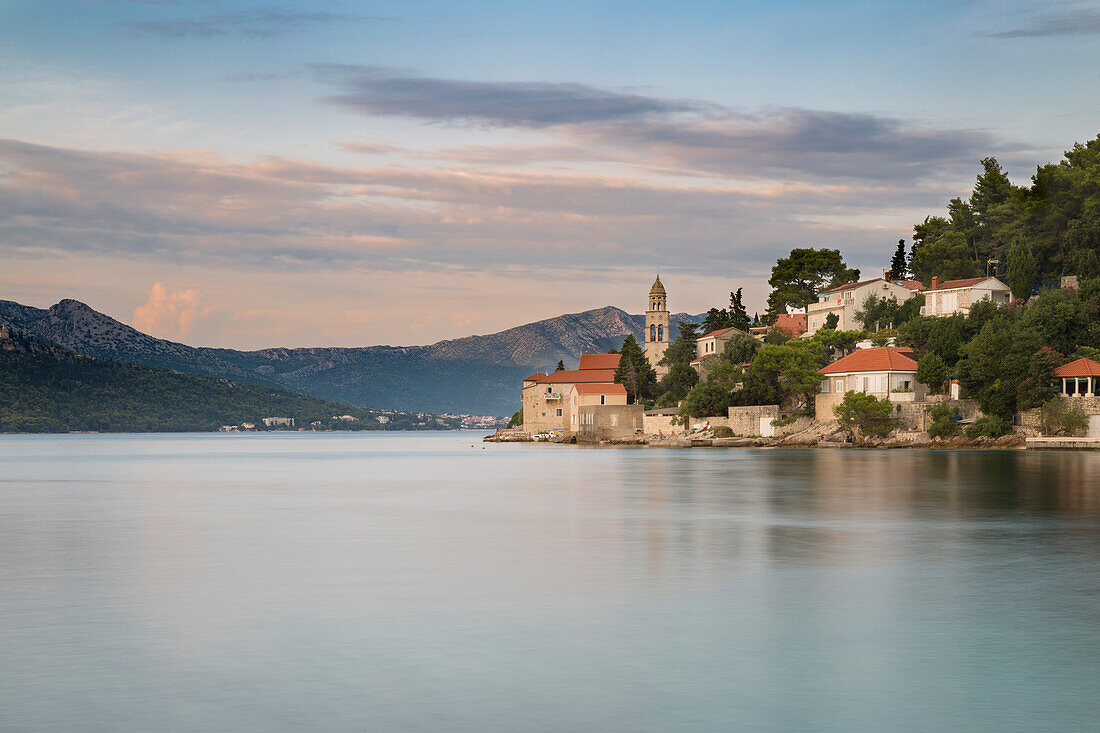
(1079, 368)
(910, 284)
(704, 356)
(599, 361)
(968, 282)
(600, 389)
(534, 377)
(575, 376)
(880, 359)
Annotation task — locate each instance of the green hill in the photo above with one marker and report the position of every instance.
(46, 389)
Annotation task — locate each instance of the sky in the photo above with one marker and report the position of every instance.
(248, 174)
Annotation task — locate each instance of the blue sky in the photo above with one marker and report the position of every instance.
(255, 174)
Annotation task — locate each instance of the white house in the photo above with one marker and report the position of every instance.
(956, 296)
(887, 372)
(847, 299)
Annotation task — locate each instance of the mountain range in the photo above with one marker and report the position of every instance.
(471, 375)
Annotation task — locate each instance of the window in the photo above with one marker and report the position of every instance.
(825, 387)
(573, 418)
(614, 419)
(660, 332)
(603, 399)
(652, 333)
(839, 386)
(559, 412)
(574, 400)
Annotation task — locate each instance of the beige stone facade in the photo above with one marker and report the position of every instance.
(549, 399)
(846, 300)
(956, 296)
(608, 422)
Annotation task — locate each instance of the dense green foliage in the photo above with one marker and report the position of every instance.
(990, 426)
(516, 419)
(932, 371)
(865, 413)
(945, 421)
(705, 399)
(634, 372)
(879, 313)
(1057, 216)
(46, 389)
(798, 278)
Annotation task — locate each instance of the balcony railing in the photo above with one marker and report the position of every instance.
(552, 395)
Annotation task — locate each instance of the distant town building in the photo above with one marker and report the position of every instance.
(275, 422)
(656, 327)
(887, 372)
(956, 296)
(248, 426)
(349, 418)
(383, 419)
(4, 332)
(712, 344)
(845, 300)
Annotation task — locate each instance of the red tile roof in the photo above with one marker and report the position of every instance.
(910, 284)
(534, 377)
(849, 286)
(968, 282)
(881, 359)
(600, 389)
(704, 356)
(1079, 368)
(575, 376)
(599, 361)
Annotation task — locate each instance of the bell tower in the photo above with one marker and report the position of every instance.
(656, 326)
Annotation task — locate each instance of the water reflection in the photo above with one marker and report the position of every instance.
(420, 582)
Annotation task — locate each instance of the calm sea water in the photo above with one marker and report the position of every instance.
(421, 582)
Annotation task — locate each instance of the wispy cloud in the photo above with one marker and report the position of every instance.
(278, 214)
(686, 136)
(1076, 22)
(381, 91)
(256, 23)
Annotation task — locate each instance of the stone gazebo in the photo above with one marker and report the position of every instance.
(1080, 378)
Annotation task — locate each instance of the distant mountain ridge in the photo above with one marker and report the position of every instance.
(474, 374)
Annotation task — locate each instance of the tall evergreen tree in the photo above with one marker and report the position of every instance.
(634, 371)
(1022, 270)
(738, 316)
(560, 367)
(899, 269)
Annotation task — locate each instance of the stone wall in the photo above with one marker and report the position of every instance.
(1031, 420)
(607, 422)
(746, 420)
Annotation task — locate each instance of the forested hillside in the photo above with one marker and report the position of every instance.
(1037, 232)
(44, 388)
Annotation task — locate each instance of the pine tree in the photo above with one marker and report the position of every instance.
(561, 366)
(634, 371)
(898, 267)
(738, 317)
(1022, 270)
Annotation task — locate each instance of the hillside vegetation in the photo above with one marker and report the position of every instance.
(44, 388)
(1044, 230)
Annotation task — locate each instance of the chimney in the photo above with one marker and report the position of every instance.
(886, 276)
(935, 283)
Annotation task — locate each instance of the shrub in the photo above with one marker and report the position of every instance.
(1058, 418)
(723, 431)
(945, 422)
(991, 426)
(865, 412)
(706, 399)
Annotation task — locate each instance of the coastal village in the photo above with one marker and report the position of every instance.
(591, 404)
